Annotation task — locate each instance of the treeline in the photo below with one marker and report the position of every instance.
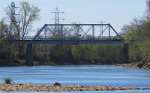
(79, 54)
(62, 54)
(137, 34)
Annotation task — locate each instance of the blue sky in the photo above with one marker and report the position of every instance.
(116, 12)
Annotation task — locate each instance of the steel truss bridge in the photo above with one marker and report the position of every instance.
(76, 34)
(73, 34)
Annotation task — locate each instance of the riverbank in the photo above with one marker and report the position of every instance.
(32, 87)
(141, 65)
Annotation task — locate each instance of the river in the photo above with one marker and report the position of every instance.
(79, 75)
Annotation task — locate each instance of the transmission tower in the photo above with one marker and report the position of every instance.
(13, 20)
(57, 18)
(13, 12)
(58, 30)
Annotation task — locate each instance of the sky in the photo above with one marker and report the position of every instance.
(116, 12)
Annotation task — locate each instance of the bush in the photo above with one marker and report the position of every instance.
(57, 84)
(8, 81)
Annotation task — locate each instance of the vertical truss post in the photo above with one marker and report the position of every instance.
(101, 31)
(109, 33)
(62, 33)
(93, 32)
(78, 30)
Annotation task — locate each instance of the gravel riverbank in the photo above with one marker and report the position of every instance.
(31, 87)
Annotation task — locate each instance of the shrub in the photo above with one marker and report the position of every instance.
(8, 81)
(56, 84)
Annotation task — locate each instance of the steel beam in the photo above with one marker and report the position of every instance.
(69, 42)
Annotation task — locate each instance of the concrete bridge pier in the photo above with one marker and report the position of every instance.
(29, 59)
(126, 51)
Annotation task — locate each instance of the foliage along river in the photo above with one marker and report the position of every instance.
(79, 75)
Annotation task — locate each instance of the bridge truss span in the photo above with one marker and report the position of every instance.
(77, 32)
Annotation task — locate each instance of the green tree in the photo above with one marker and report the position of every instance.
(3, 30)
(139, 31)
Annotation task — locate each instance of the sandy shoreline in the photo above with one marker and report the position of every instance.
(31, 87)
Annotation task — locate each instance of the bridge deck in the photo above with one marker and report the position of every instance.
(71, 42)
